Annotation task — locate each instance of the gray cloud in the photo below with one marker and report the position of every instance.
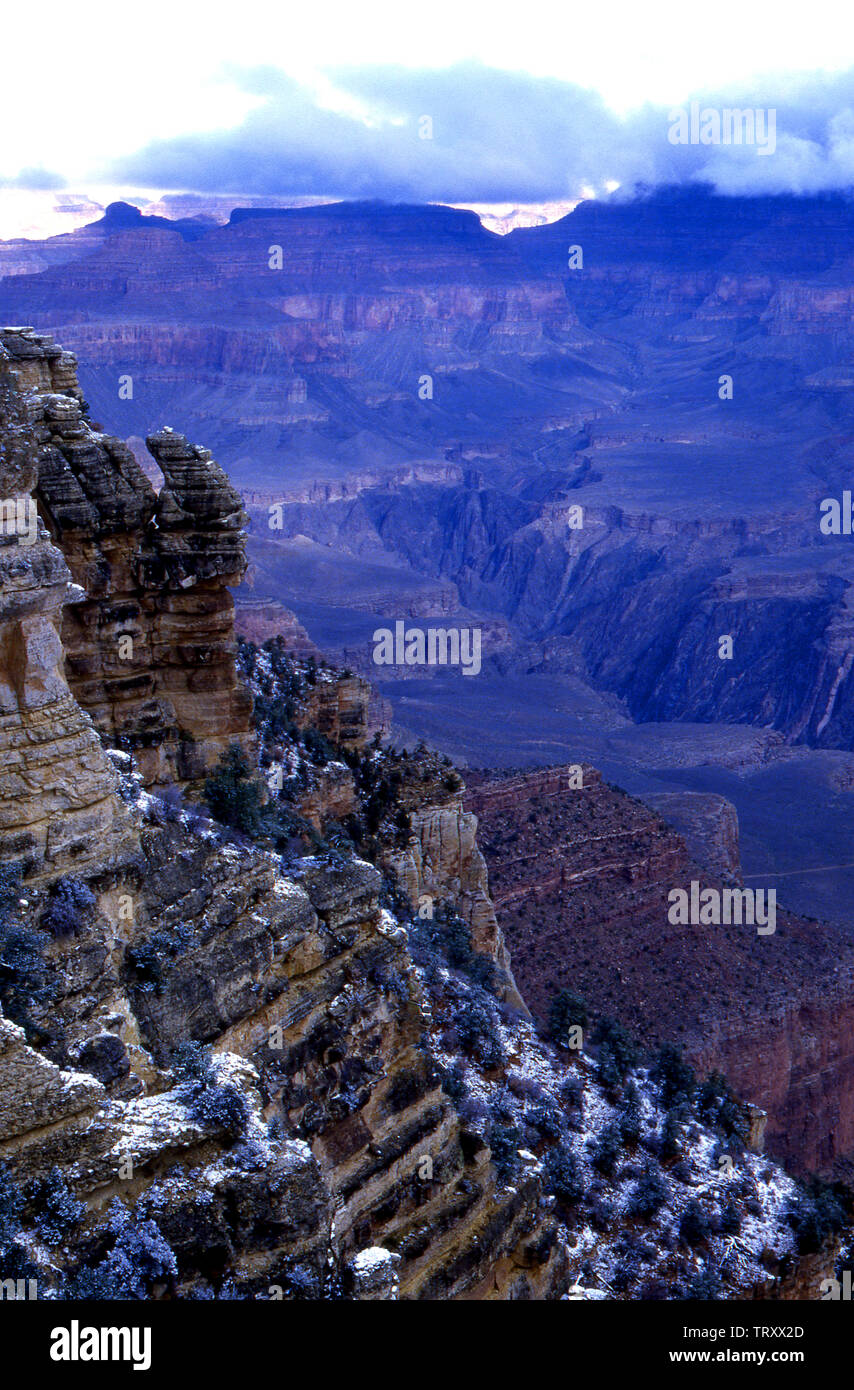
(497, 136)
(36, 180)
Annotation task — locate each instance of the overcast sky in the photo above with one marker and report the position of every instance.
(530, 101)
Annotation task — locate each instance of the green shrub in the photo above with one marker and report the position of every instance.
(629, 1119)
(24, 977)
(477, 1029)
(622, 1047)
(566, 1011)
(605, 1150)
(671, 1135)
(222, 1107)
(562, 1176)
(70, 900)
(57, 1210)
(648, 1196)
(694, 1228)
(718, 1108)
(233, 794)
(139, 1258)
(817, 1212)
(504, 1146)
(673, 1076)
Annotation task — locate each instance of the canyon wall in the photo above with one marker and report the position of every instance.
(58, 809)
(580, 878)
(373, 1122)
(150, 645)
(302, 983)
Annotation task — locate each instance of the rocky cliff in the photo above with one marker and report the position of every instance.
(58, 809)
(258, 1056)
(581, 877)
(150, 645)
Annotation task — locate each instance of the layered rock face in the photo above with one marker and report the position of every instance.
(374, 1122)
(150, 648)
(305, 988)
(580, 878)
(303, 984)
(57, 791)
(709, 825)
(358, 1173)
(442, 862)
(315, 986)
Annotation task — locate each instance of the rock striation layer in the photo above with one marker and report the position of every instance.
(58, 808)
(150, 648)
(580, 878)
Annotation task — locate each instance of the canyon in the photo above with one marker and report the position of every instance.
(549, 389)
(407, 415)
(366, 1110)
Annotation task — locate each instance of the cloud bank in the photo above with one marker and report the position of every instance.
(35, 180)
(496, 136)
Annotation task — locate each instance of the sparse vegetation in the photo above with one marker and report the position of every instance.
(566, 1011)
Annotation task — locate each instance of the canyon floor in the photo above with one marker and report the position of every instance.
(795, 805)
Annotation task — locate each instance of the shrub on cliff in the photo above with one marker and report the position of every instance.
(15, 1263)
(816, 1213)
(566, 1011)
(70, 901)
(504, 1145)
(730, 1220)
(605, 1150)
(318, 747)
(571, 1095)
(453, 1081)
(222, 1107)
(670, 1143)
(694, 1228)
(11, 1206)
(717, 1107)
(140, 1257)
(546, 1118)
(209, 1103)
(648, 1196)
(446, 936)
(617, 1048)
(705, 1286)
(629, 1119)
(191, 1066)
(57, 1211)
(24, 978)
(562, 1176)
(476, 1027)
(233, 794)
(146, 960)
(674, 1077)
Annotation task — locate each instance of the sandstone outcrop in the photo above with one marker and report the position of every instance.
(57, 790)
(149, 648)
(442, 862)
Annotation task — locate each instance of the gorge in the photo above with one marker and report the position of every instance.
(346, 1084)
